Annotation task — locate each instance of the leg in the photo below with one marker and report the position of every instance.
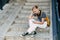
(42, 25)
(32, 26)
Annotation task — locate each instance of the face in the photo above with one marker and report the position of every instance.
(35, 10)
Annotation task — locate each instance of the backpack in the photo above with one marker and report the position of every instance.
(48, 21)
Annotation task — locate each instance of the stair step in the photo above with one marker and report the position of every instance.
(25, 16)
(27, 38)
(37, 0)
(43, 10)
(23, 19)
(18, 27)
(17, 34)
(9, 21)
(39, 4)
(26, 13)
(4, 16)
(29, 11)
(24, 27)
(40, 7)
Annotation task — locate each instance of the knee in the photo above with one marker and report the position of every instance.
(30, 20)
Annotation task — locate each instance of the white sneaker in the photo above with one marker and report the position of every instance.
(21, 35)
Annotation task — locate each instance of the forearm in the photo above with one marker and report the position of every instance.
(31, 17)
(37, 22)
(40, 22)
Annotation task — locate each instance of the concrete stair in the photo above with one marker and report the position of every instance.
(38, 3)
(22, 27)
(7, 16)
(38, 0)
(24, 18)
(4, 14)
(29, 11)
(20, 23)
(30, 7)
(15, 36)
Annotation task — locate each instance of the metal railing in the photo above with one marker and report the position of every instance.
(54, 20)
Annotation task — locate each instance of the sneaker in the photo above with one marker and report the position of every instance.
(34, 33)
(24, 34)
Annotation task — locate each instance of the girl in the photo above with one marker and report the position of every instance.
(33, 24)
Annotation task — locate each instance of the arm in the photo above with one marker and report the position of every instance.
(43, 18)
(38, 22)
(31, 16)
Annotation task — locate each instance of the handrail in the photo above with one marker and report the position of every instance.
(54, 20)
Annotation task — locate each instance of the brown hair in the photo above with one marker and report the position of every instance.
(35, 7)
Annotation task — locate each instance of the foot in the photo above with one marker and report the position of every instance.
(34, 33)
(24, 34)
